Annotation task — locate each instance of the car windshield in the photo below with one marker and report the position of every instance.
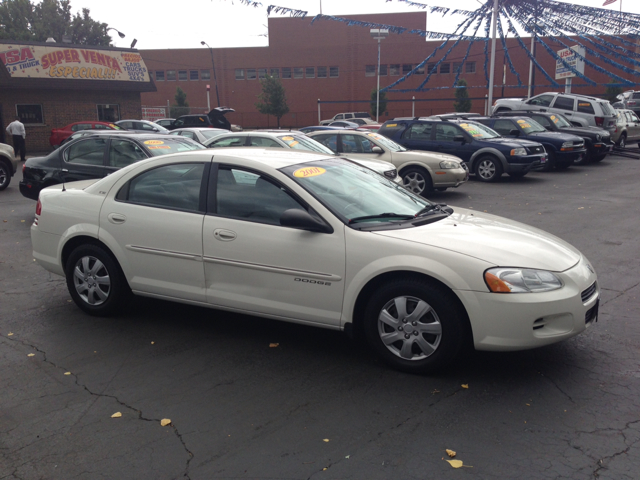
(115, 127)
(166, 145)
(386, 142)
(210, 133)
(298, 142)
(478, 130)
(560, 121)
(355, 194)
(530, 126)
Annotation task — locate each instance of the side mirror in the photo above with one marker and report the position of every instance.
(303, 220)
(154, 129)
(514, 132)
(459, 138)
(377, 149)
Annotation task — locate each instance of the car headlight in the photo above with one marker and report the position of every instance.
(567, 145)
(598, 137)
(521, 280)
(518, 152)
(449, 164)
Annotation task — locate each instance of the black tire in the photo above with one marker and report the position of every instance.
(5, 174)
(563, 166)
(488, 169)
(622, 141)
(421, 349)
(598, 158)
(417, 179)
(517, 174)
(585, 159)
(95, 281)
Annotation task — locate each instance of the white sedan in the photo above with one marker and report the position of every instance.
(314, 239)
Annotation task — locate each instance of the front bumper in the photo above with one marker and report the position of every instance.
(450, 178)
(568, 158)
(502, 322)
(525, 164)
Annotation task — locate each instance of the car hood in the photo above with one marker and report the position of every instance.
(555, 136)
(511, 142)
(379, 166)
(590, 132)
(422, 156)
(499, 241)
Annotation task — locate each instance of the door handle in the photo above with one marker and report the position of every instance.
(116, 218)
(224, 235)
(65, 170)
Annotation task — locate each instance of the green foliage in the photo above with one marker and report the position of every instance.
(462, 103)
(181, 107)
(611, 93)
(30, 21)
(273, 100)
(383, 102)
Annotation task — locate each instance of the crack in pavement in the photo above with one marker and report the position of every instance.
(138, 411)
(601, 463)
(620, 294)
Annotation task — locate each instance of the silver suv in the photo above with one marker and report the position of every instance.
(8, 165)
(630, 100)
(580, 110)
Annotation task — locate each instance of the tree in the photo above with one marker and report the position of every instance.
(612, 92)
(181, 107)
(383, 102)
(24, 20)
(462, 103)
(272, 99)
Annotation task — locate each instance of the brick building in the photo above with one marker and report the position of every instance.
(336, 63)
(50, 85)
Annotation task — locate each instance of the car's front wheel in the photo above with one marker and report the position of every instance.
(95, 281)
(488, 169)
(5, 175)
(417, 179)
(415, 325)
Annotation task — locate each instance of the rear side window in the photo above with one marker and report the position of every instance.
(636, 96)
(564, 103)
(418, 131)
(80, 126)
(87, 152)
(585, 107)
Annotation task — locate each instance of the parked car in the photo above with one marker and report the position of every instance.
(214, 119)
(96, 156)
(627, 128)
(165, 122)
(86, 133)
(630, 100)
(141, 126)
(346, 116)
(317, 240)
(296, 141)
(200, 135)
(344, 124)
(317, 128)
(486, 153)
(58, 135)
(563, 149)
(8, 165)
(371, 127)
(580, 110)
(596, 140)
(421, 172)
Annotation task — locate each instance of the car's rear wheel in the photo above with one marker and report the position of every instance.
(598, 158)
(488, 169)
(414, 325)
(417, 179)
(5, 174)
(95, 281)
(622, 143)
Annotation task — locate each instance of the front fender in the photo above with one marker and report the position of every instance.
(487, 151)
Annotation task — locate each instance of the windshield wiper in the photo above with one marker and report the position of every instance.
(428, 209)
(381, 215)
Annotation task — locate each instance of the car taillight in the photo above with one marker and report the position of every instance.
(631, 102)
(38, 208)
(24, 165)
(599, 121)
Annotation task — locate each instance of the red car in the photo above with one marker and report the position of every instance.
(59, 135)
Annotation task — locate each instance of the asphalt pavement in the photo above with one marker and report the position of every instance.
(249, 398)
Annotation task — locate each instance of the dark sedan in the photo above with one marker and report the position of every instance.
(96, 156)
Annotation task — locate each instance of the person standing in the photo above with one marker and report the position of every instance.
(17, 131)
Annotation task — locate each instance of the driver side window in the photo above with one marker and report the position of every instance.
(541, 100)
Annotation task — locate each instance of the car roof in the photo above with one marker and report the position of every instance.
(275, 157)
(199, 129)
(268, 133)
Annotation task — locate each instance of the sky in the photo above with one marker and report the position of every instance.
(230, 23)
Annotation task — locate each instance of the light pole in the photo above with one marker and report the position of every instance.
(215, 81)
(120, 34)
(378, 34)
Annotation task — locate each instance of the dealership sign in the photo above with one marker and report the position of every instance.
(33, 61)
(570, 57)
(153, 113)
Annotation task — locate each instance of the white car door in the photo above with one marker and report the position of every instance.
(156, 221)
(254, 264)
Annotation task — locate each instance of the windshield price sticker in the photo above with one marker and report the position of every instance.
(158, 147)
(309, 172)
(555, 119)
(525, 125)
(474, 132)
(287, 139)
(154, 142)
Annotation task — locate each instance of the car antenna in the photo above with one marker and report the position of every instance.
(63, 187)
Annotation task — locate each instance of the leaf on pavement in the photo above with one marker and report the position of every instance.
(31, 355)
(451, 453)
(67, 373)
(457, 464)
(325, 440)
(9, 334)
(465, 385)
(274, 345)
(165, 421)
(116, 415)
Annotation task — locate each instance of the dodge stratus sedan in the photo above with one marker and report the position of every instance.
(319, 240)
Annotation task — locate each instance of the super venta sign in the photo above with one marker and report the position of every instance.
(30, 61)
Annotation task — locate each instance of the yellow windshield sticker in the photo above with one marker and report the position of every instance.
(521, 121)
(287, 139)
(525, 125)
(158, 147)
(309, 172)
(464, 125)
(293, 144)
(584, 104)
(392, 125)
(154, 142)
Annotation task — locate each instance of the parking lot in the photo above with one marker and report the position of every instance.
(259, 399)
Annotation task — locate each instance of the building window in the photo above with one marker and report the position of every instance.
(322, 72)
(431, 68)
(470, 67)
(275, 73)
(419, 70)
(286, 72)
(171, 75)
(182, 75)
(159, 75)
(370, 71)
(297, 72)
(205, 75)
(262, 73)
(109, 112)
(239, 74)
(334, 72)
(193, 75)
(445, 68)
(457, 67)
(383, 70)
(251, 73)
(310, 72)
(406, 68)
(30, 114)
(394, 70)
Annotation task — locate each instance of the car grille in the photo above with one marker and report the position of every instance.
(588, 293)
(591, 314)
(391, 173)
(534, 150)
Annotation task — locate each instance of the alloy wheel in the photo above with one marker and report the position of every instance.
(91, 280)
(486, 169)
(415, 182)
